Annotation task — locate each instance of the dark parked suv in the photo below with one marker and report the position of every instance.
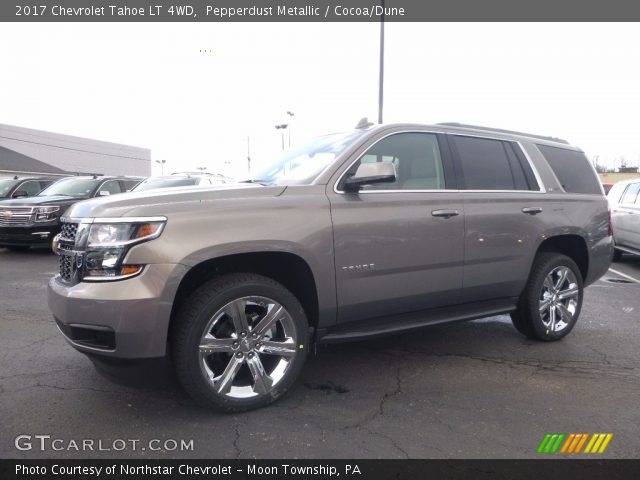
(368, 232)
(35, 221)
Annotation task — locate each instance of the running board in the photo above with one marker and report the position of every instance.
(627, 250)
(363, 329)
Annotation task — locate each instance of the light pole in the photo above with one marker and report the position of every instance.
(291, 115)
(381, 73)
(161, 163)
(248, 154)
(202, 169)
(283, 127)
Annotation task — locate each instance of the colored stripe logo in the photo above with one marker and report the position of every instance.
(574, 443)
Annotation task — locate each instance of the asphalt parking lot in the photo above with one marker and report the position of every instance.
(467, 390)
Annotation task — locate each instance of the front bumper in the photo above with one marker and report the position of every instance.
(37, 235)
(127, 319)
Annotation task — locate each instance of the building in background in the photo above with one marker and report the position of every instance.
(24, 151)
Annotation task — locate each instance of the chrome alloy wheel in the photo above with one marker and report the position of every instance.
(558, 299)
(247, 347)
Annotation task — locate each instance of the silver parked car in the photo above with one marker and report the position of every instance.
(368, 232)
(624, 200)
(182, 180)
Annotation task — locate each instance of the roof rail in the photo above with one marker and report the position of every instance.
(500, 130)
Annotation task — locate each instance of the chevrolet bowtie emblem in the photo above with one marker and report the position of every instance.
(7, 214)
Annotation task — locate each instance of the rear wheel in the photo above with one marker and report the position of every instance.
(240, 342)
(550, 304)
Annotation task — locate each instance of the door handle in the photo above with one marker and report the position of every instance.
(444, 213)
(532, 210)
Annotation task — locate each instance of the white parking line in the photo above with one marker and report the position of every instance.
(624, 275)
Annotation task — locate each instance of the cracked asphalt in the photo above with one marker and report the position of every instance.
(465, 390)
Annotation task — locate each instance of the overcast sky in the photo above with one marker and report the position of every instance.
(193, 93)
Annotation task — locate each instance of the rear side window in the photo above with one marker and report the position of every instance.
(631, 193)
(489, 164)
(572, 169)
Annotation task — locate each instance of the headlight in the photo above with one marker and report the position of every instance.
(46, 214)
(108, 244)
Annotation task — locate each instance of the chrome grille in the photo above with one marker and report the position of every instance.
(66, 246)
(16, 215)
(66, 267)
(69, 231)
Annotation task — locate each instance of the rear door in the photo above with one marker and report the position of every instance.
(504, 214)
(399, 246)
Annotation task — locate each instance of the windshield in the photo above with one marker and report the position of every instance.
(6, 184)
(71, 187)
(165, 182)
(302, 164)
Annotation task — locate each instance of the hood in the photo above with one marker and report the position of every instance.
(167, 200)
(58, 200)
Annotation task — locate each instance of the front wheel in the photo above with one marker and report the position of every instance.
(550, 305)
(240, 342)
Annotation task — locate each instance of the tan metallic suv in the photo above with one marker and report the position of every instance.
(368, 232)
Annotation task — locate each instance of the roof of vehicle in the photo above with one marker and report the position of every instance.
(479, 130)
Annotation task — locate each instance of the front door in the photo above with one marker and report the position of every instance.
(399, 246)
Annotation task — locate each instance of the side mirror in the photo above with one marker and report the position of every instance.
(20, 194)
(104, 193)
(370, 174)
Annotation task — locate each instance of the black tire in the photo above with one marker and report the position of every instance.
(527, 318)
(617, 255)
(194, 318)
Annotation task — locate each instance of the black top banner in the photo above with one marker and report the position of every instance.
(316, 10)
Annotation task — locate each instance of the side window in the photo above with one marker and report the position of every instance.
(32, 187)
(45, 183)
(631, 193)
(416, 157)
(111, 186)
(129, 184)
(489, 164)
(572, 169)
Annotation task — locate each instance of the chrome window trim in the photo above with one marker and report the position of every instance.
(536, 174)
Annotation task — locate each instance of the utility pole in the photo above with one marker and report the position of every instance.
(381, 73)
